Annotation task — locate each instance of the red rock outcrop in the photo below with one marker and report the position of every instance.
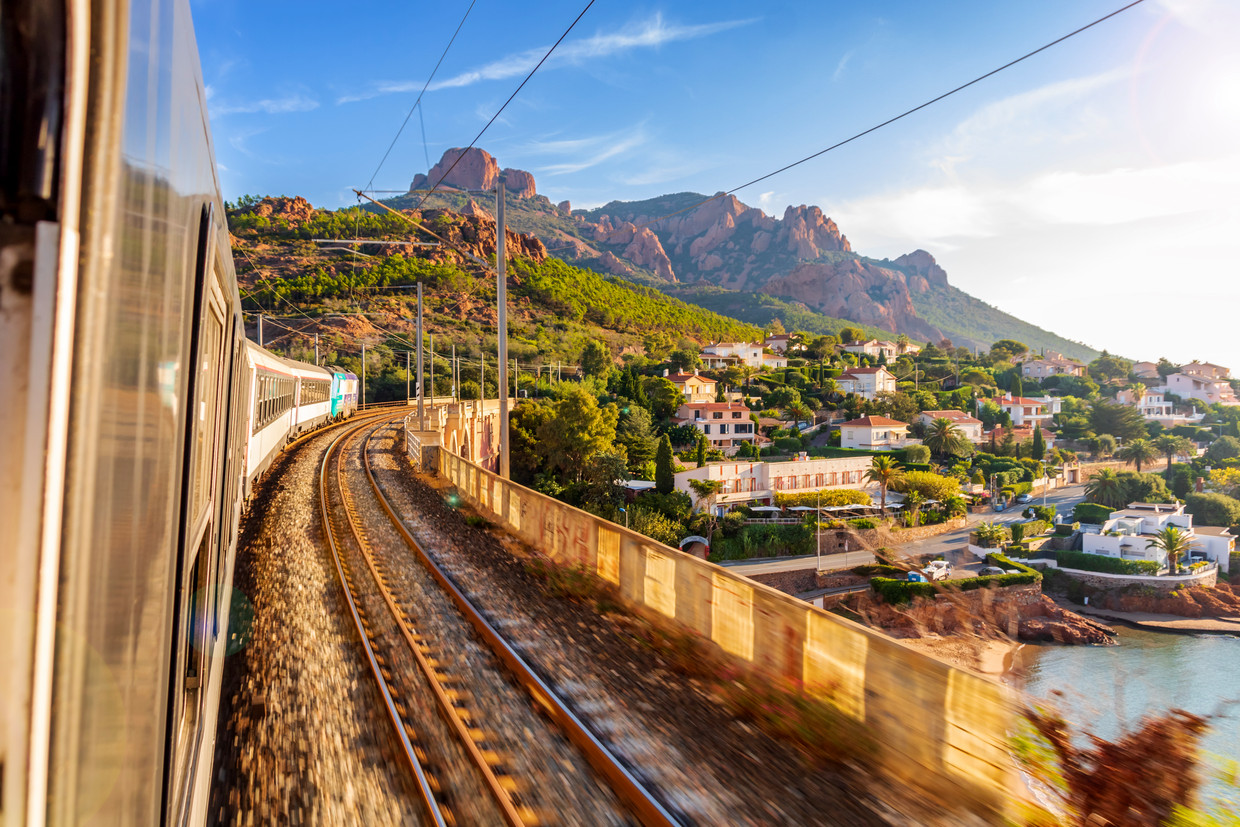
(856, 291)
(1222, 600)
(924, 269)
(564, 207)
(293, 210)
(806, 232)
(519, 182)
(475, 170)
(475, 234)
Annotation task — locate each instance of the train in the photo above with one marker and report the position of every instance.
(137, 416)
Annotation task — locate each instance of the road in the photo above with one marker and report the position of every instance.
(766, 565)
(949, 545)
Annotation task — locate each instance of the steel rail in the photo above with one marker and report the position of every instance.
(459, 719)
(641, 801)
(424, 785)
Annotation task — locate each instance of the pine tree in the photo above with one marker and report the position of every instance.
(701, 450)
(664, 475)
(1039, 443)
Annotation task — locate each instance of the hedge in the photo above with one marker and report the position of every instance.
(846, 496)
(876, 569)
(1085, 561)
(917, 466)
(1091, 513)
(1234, 567)
(1066, 529)
(902, 591)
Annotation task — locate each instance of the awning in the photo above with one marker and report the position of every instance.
(804, 508)
(766, 508)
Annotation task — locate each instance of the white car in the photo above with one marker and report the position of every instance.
(1024, 498)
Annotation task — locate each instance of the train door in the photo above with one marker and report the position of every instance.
(194, 629)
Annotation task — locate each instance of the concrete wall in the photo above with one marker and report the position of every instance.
(940, 728)
(1166, 583)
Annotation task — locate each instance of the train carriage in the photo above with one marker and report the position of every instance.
(138, 416)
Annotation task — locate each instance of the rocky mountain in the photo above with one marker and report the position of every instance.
(684, 239)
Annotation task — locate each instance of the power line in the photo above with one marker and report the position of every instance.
(904, 114)
(420, 94)
(505, 106)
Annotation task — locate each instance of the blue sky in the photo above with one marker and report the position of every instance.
(1090, 189)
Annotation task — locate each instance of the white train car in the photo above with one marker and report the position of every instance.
(271, 409)
(314, 397)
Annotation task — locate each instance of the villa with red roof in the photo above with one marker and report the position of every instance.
(695, 387)
(970, 427)
(1029, 411)
(875, 433)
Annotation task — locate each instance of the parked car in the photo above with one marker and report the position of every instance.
(937, 570)
(988, 571)
(1024, 498)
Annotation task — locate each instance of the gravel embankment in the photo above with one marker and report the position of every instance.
(298, 742)
(667, 725)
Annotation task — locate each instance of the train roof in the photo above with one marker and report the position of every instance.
(261, 356)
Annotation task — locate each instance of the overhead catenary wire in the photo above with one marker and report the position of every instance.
(892, 120)
(417, 102)
(499, 111)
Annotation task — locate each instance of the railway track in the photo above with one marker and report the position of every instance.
(510, 794)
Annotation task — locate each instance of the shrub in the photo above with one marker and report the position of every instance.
(1085, 561)
(1213, 509)
(1018, 532)
(931, 486)
(918, 454)
(1091, 513)
(1067, 529)
(1037, 512)
(1234, 563)
(788, 445)
(811, 498)
(861, 523)
(878, 570)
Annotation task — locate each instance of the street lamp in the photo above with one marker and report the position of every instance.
(626, 517)
(818, 528)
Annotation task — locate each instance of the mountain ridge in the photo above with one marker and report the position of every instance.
(688, 238)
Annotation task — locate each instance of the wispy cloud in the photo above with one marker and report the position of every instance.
(295, 102)
(583, 153)
(839, 67)
(649, 34)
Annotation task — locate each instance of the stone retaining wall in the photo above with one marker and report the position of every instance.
(940, 728)
(1105, 580)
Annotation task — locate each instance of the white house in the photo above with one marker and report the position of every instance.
(867, 383)
(774, 360)
(874, 347)
(725, 424)
(746, 482)
(970, 427)
(726, 354)
(1145, 370)
(1127, 532)
(1029, 411)
(875, 433)
(778, 342)
(1154, 407)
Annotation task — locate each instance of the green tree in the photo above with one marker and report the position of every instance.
(1174, 542)
(1117, 420)
(884, 471)
(913, 501)
(1106, 489)
(525, 458)
(1138, 452)
(1109, 369)
(1144, 488)
(665, 398)
(1169, 445)
(1213, 509)
(1223, 448)
(636, 434)
(1039, 443)
(684, 359)
(579, 430)
(656, 526)
(600, 492)
(1008, 349)
(596, 359)
(944, 438)
(702, 446)
(664, 473)
(1104, 445)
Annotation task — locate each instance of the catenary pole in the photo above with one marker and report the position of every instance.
(421, 395)
(501, 297)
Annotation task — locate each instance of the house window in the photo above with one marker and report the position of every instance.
(706, 429)
(736, 414)
(723, 429)
(717, 415)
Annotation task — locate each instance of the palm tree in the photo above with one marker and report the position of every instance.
(1170, 445)
(944, 437)
(883, 471)
(1173, 541)
(990, 535)
(913, 501)
(706, 491)
(1138, 452)
(901, 344)
(1105, 488)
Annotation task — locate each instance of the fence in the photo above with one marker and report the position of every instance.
(939, 728)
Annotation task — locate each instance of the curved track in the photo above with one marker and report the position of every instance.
(452, 697)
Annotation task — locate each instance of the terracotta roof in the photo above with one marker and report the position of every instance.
(875, 422)
(716, 406)
(685, 377)
(1020, 400)
(954, 416)
(855, 371)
